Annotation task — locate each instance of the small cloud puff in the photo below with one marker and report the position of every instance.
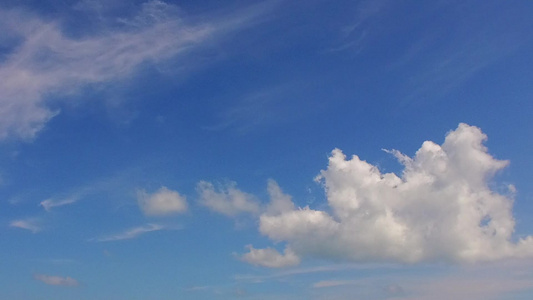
(163, 202)
(270, 258)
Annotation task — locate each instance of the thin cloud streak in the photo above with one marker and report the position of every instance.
(332, 283)
(109, 184)
(312, 270)
(56, 280)
(131, 233)
(48, 204)
(27, 224)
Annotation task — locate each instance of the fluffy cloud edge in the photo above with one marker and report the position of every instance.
(161, 203)
(226, 199)
(441, 208)
(270, 258)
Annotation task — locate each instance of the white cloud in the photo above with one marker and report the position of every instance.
(28, 224)
(279, 202)
(270, 257)
(47, 62)
(48, 204)
(163, 202)
(131, 233)
(226, 200)
(230, 201)
(56, 280)
(441, 208)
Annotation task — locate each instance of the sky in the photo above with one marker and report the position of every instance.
(266, 149)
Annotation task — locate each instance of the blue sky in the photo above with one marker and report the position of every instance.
(266, 149)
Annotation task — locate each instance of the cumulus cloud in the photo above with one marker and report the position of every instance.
(270, 257)
(44, 61)
(163, 202)
(28, 224)
(441, 208)
(131, 233)
(226, 199)
(56, 280)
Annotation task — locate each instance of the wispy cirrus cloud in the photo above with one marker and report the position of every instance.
(56, 280)
(45, 61)
(27, 224)
(48, 204)
(108, 184)
(355, 35)
(313, 271)
(76, 194)
(331, 283)
(468, 49)
(132, 233)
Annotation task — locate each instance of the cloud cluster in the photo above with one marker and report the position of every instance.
(441, 208)
(56, 280)
(163, 202)
(44, 61)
